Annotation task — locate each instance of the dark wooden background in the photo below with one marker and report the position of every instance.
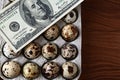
(101, 40)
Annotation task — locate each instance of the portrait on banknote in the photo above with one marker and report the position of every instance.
(37, 13)
(24, 20)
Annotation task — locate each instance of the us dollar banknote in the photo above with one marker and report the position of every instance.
(24, 20)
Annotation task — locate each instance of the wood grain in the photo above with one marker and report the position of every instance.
(101, 40)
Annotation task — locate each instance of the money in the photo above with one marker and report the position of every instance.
(24, 20)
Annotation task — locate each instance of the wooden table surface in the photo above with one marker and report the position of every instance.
(101, 40)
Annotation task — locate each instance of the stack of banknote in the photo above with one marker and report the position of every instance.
(24, 20)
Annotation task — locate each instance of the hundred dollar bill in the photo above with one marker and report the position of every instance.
(24, 20)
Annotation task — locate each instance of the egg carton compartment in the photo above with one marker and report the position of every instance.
(41, 60)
